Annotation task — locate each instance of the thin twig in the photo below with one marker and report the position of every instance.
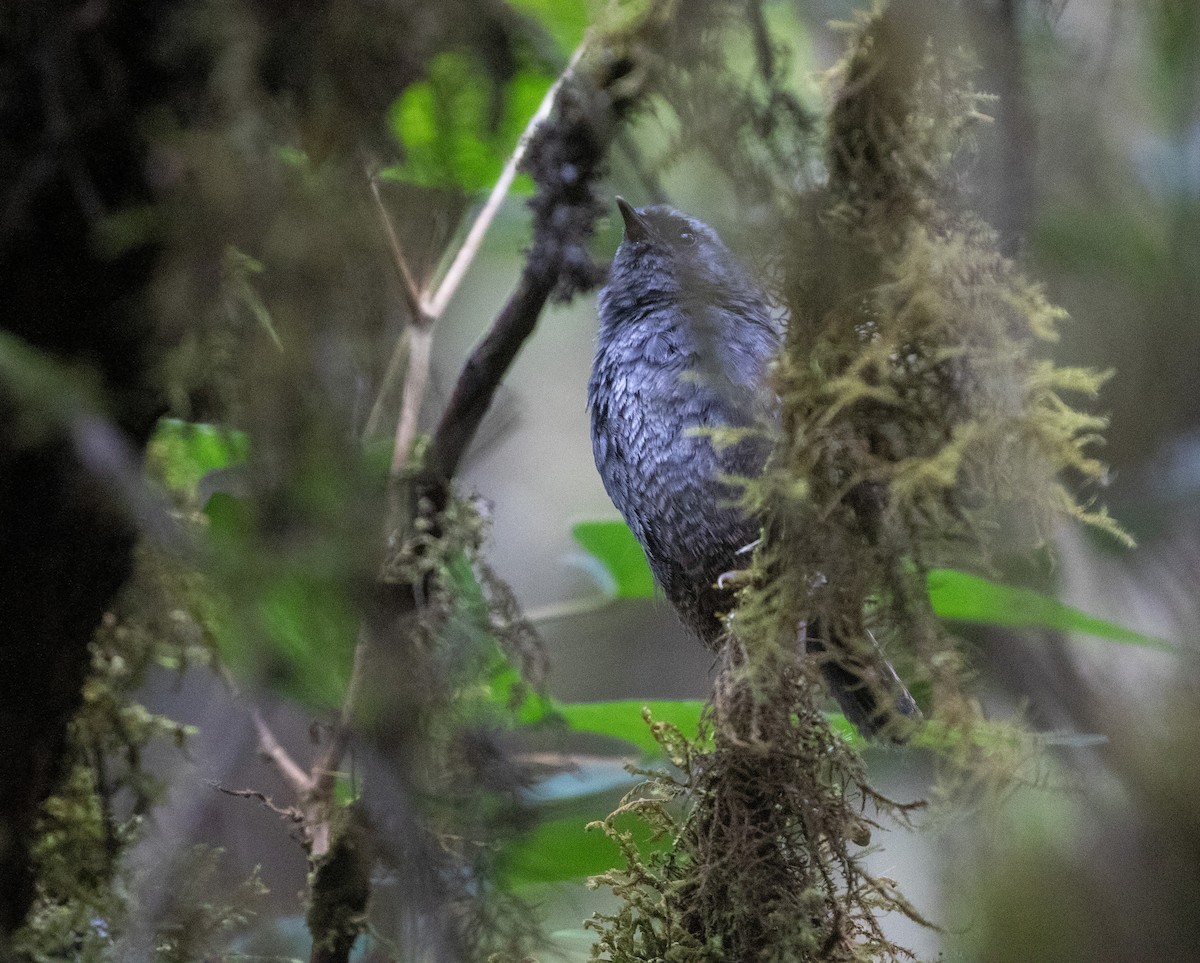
(416, 382)
(326, 767)
(414, 342)
(426, 309)
(288, 812)
(568, 609)
(412, 293)
(481, 375)
(469, 402)
(318, 801)
(297, 779)
(397, 363)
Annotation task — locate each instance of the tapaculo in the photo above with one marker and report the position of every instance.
(686, 338)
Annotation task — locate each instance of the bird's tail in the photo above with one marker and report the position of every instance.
(869, 691)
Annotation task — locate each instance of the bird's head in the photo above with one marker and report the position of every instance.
(667, 253)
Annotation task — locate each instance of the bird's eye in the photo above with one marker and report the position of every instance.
(687, 238)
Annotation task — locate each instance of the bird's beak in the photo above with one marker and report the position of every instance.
(636, 229)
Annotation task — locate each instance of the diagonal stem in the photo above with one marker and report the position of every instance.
(449, 284)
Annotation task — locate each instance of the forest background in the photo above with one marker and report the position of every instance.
(227, 229)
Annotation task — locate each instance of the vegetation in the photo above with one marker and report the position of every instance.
(236, 233)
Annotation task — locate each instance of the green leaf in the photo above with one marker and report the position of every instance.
(962, 597)
(564, 849)
(345, 791)
(291, 626)
(181, 453)
(229, 517)
(626, 572)
(446, 126)
(296, 637)
(846, 729)
(623, 719)
(564, 20)
(312, 627)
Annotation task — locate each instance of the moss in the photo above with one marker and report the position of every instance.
(768, 825)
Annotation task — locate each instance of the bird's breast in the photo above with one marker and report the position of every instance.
(654, 410)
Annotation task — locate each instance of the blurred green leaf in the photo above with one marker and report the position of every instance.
(564, 20)
(961, 597)
(612, 544)
(622, 719)
(312, 628)
(564, 849)
(957, 596)
(846, 729)
(293, 629)
(1103, 240)
(296, 637)
(181, 453)
(228, 517)
(345, 791)
(240, 270)
(447, 128)
(52, 391)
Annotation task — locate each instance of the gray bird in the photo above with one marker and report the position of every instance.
(686, 338)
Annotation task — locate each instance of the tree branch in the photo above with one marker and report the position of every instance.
(325, 768)
(485, 368)
(412, 293)
(416, 383)
(425, 309)
(297, 779)
(287, 812)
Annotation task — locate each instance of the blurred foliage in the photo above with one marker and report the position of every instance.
(442, 123)
(202, 912)
(1107, 870)
(300, 614)
(625, 571)
(962, 597)
(448, 124)
(436, 712)
(181, 453)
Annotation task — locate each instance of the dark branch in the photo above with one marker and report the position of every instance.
(566, 159)
(485, 369)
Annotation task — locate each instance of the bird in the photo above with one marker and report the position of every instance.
(685, 344)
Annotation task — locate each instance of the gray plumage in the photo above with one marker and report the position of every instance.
(686, 337)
